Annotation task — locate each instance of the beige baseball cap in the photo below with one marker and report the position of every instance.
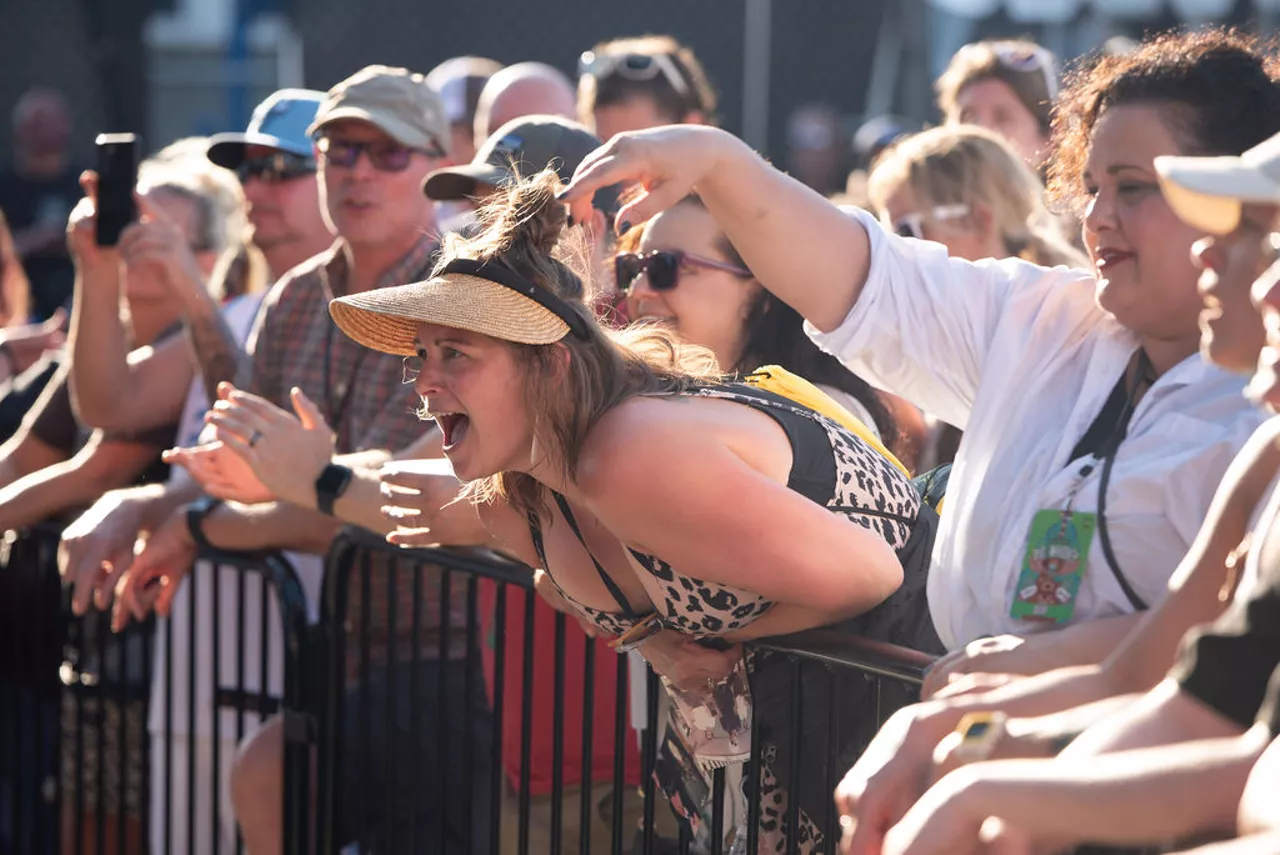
(396, 100)
(1208, 192)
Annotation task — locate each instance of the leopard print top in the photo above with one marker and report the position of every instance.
(848, 476)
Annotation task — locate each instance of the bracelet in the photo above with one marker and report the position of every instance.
(196, 513)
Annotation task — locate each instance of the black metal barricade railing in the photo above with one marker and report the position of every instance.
(120, 743)
(461, 715)
(412, 754)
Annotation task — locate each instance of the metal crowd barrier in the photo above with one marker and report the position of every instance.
(446, 707)
(457, 774)
(97, 754)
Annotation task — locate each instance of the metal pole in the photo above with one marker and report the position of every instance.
(757, 33)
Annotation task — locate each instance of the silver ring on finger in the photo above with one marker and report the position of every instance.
(253, 440)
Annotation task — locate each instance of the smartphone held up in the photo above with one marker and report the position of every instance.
(117, 175)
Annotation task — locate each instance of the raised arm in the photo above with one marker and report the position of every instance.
(799, 245)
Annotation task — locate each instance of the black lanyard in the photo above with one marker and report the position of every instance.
(1106, 455)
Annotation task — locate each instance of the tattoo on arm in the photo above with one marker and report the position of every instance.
(216, 350)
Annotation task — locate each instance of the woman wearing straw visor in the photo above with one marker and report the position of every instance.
(665, 506)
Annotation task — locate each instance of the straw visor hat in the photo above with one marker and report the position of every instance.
(482, 297)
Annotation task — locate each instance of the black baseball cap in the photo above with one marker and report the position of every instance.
(521, 147)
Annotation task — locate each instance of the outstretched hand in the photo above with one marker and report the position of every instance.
(665, 163)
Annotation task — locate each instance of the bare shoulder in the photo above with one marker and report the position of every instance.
(641, 439)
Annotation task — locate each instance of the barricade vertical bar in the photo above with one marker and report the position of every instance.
(442, 707)
(144, 736)
(717, 811)
(588, 743)
(366, 706)
(877, 689)
(471, 703)
(557, 737)
(240, 634)
(649, 756)
(753, 771)
(684, 841)
(78, 689)
(830, 825)
(389, 731)
(793, 782)
(193, 581)
(619, 750)
(100, 693)
(122, 742)
(499, 709)
(215, 630)
(526, 721)
(415, 688)
(168, 729)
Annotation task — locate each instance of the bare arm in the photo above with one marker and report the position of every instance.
(274, 525)
(799, 245)
(214, 346)
(1132, 797)
(151, 393)
(100, 466)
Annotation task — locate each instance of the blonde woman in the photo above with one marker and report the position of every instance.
(965, 187)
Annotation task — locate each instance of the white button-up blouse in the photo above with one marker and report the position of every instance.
(1022, 359)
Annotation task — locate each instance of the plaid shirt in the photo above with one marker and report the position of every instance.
(295, 343)
(363, 397)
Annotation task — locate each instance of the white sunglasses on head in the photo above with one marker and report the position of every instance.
(633, 66)
(912, 225)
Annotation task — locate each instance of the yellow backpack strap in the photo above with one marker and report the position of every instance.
(780, 381)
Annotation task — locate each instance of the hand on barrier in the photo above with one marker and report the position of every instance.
(984, 655)
(942, 821)
(98, 547)
(688, 665)
(890, 775)
(152, 580)
(1009, 739)
(665, 162)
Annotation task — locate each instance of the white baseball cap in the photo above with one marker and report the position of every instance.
(1208, 192)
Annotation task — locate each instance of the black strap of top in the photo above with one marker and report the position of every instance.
(619, 597)
(813, 466)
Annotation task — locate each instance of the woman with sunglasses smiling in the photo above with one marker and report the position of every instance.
(686, 275)
(1078, 393)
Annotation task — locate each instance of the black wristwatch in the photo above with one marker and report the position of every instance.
(331, 484)
(196, 512)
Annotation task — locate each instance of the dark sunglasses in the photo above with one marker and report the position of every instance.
(274, 168)
(663, 268)
(385, 156)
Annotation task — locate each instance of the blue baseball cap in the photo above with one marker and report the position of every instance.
(280, 122)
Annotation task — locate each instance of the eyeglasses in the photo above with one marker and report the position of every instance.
(633, 66)
(412, 368)
(663, 268)
(274, 168)
(385, 156)
(1024, 59)
(912, 225)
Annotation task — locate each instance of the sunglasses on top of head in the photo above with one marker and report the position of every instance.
(1026, 59)
(663, 268)
(276, 167)
(632, 66)
(385, 156)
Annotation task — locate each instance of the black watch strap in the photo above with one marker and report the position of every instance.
(332, 483)
(196, 512)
